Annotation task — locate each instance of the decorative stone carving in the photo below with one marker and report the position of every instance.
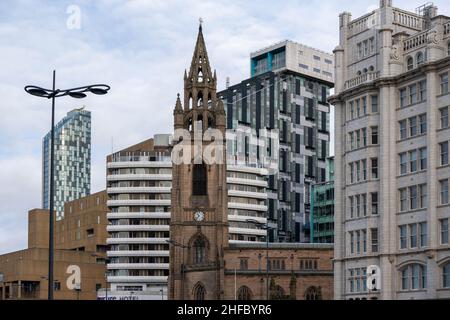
(394, 52)
(432, 36)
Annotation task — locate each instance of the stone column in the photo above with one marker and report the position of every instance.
(432, 180)
(339, 215)
(19, 289)
(384, 173)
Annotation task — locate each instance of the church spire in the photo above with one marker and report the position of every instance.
(200, 74)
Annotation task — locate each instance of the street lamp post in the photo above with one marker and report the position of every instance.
(264, 226)
(53, 93)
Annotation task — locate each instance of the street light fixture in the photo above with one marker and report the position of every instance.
(264, 226)
(78, 93)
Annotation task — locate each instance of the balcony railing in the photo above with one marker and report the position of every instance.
(415, 41)
(362, 79)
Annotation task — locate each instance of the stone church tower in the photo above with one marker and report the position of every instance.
(198, 227)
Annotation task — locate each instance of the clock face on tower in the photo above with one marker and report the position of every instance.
(199, 216)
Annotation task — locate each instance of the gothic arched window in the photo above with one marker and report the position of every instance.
(199, 180)
(244, 293)
(199, 291)
(313, 293)
(199, 251)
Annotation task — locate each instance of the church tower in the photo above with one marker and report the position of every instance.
(199, 226)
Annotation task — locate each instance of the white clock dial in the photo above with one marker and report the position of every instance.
(199, 216)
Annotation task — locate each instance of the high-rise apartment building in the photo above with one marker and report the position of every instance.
(287, 93)
(138, 186)
(391, 154)
(72, 160)
(322, 207)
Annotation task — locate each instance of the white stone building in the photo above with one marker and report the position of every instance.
(391, 154)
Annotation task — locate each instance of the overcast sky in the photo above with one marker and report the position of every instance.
(140, 48)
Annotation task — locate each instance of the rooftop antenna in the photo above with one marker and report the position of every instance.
(227, 84)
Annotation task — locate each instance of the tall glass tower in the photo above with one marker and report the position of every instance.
(72, 160)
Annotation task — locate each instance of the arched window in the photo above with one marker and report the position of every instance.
(420, 59)
(371, 68)
(413, 277)
(446, 275)
(278, 293)
(409, 63)
(313, 293)
(199, 291)
(199, 251)
(365, 70)
(199, 180)
(244, 293)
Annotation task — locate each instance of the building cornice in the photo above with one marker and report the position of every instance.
(391, 81)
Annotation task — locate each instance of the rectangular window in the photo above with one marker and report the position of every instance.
(364, 239)
(444, 83)
(413, 94)
(358, 172)
(413, 161)
(374, 162)
(352, 175)
(403, 99)
(358, 139)
(364, 204)
(364, 169)
(444, 153)
(423, 90)
(364, 105)
(413, 200)
(358, 242)
(405, 285)
(352, 207)
(352, 243)
(374, 131)
(374, 239)
(374, 101)
(352, 110)
(423, 234)
(403, 132)
(352, 140)
(412, 126)
(423, 158)
(403, 199)
(403, 165)
(364, 137)
(403, 237)
(444, 231)
(358, 206)
(423, 123)
(443, 185)
(423, 200)
(374, 202)
(358, 108)
(444, 117)
(413, 236)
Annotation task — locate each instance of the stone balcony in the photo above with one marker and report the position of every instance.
(362, 79)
